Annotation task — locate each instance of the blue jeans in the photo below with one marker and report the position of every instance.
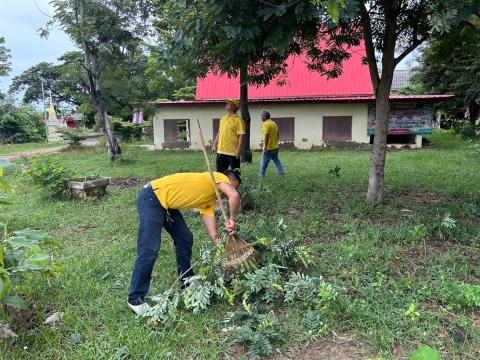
(153, 218)
(267, 156)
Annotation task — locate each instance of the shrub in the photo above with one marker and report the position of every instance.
(74, 136)
(52, 177)
(127, 131)
(467, 131)
(20, 125)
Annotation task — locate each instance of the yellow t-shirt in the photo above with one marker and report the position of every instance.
(188, 191)
(230, 127)
(269, 127)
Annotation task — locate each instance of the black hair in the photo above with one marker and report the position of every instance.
(266, 113)
(233, 173)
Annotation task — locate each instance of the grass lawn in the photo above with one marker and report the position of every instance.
(380, 259)
(12, 149)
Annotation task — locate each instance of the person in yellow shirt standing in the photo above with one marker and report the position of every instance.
(270, 145)
(228, 143)
(158, 206)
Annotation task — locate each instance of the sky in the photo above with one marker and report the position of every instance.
(19, 22)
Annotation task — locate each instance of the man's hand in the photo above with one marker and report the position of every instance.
(238, 153)
(230, 226)
(214, 149)
(216, 239)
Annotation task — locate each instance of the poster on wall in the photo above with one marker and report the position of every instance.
(405, 119)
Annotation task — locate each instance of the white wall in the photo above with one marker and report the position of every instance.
(308, 121)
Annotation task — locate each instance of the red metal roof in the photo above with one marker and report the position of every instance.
(310, 99)
(299, 82)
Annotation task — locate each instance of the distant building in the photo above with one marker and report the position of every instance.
(310, 110)
(401, 79)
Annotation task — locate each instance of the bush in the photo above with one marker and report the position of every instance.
(464, 128)
(127, 131)
(74, 136)
(467, 132)
(20, 125)
(52, 177)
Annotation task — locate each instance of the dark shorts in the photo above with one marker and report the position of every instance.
(224, 162)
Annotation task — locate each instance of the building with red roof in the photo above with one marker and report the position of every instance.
(309, 109)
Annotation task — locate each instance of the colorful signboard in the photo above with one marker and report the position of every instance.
(405, 119)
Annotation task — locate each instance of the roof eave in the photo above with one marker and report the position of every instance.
(305, 100)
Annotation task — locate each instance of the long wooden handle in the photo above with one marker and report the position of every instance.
(204, 148)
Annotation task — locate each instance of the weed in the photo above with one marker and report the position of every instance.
(335, 171)
(412, 312)
(458, 295)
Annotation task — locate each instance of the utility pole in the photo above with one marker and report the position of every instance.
(44, 107)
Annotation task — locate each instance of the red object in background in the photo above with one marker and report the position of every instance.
(299, 81)
(70, 122)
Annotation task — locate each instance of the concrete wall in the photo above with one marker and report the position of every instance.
(308, 121)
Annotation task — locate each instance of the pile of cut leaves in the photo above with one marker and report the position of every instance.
(255, 292)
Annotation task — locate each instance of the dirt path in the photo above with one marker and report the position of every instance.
(25, 154)
(56, 149)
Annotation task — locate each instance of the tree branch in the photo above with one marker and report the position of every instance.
(370, 49)
(408, 50)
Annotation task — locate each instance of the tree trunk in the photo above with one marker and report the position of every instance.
(93, 75)
(247, 153)
(377, 165)
(474, 112)
(112, 143)
(382, 94)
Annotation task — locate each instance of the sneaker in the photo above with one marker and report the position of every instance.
(141, 309)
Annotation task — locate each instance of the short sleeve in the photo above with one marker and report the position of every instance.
(264, 129)
(208, 210)
(220, 178)
(240, 126)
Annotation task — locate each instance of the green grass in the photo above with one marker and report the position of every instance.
(380, 259)
(12, 149)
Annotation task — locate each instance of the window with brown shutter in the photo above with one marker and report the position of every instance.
(286, 129)
(170, 130)
(337, 128)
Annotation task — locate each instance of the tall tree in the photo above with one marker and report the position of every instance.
(4, 60)
(450, 64)
(391, 30)
(123, 82)
(248, 39)
(66, 83)
(106, 31)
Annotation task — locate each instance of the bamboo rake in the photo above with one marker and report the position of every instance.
(237, 249)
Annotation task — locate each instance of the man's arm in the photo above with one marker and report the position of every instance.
(211, 226)
(267, 138)
(238, 153)
(215, 143)
(234, 204)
